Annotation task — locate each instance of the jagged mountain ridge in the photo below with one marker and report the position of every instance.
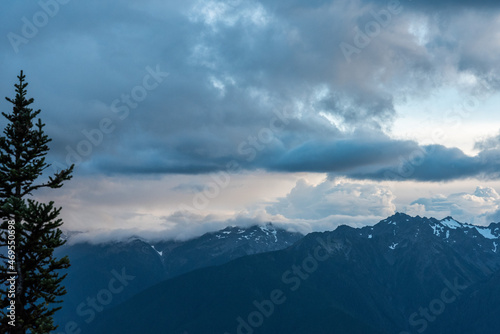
(93, 267)
(450, 231)
(215, 248)
(375, 279)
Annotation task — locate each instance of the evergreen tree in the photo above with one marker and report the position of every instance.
(31, 227)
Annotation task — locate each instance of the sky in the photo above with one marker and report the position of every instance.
(184, 117)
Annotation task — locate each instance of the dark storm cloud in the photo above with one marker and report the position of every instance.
(361, 156)
(235, 68)
(435, 163)
(342, 155)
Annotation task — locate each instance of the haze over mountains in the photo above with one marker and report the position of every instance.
(403, 275)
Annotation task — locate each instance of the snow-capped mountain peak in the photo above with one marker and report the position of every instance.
(401, 230)
(258, 234)
(451, 223)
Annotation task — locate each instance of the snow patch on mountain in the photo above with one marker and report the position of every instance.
(451, 223)
(438, 229)
(269, 229)
(159, 252)
(444, 226)
(486, 232)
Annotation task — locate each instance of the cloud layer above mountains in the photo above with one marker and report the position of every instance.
(157, 100)
(192, 87)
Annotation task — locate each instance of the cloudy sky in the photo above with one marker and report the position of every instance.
(187, 116)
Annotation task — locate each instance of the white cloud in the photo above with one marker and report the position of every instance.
(474, 208)
(232, 64)
(229, 13)
(338, 198)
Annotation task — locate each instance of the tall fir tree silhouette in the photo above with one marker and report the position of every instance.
(28, 268)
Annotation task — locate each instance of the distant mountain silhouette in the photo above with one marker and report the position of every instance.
(104, 275)
(403, 275)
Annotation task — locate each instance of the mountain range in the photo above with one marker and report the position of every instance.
(104, 275)
(403, 275)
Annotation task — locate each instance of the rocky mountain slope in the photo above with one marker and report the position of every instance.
(403, 275)
(104, 275)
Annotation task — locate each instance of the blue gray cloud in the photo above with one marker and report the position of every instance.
(435, 163)
(204, 86)
(478, 207)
